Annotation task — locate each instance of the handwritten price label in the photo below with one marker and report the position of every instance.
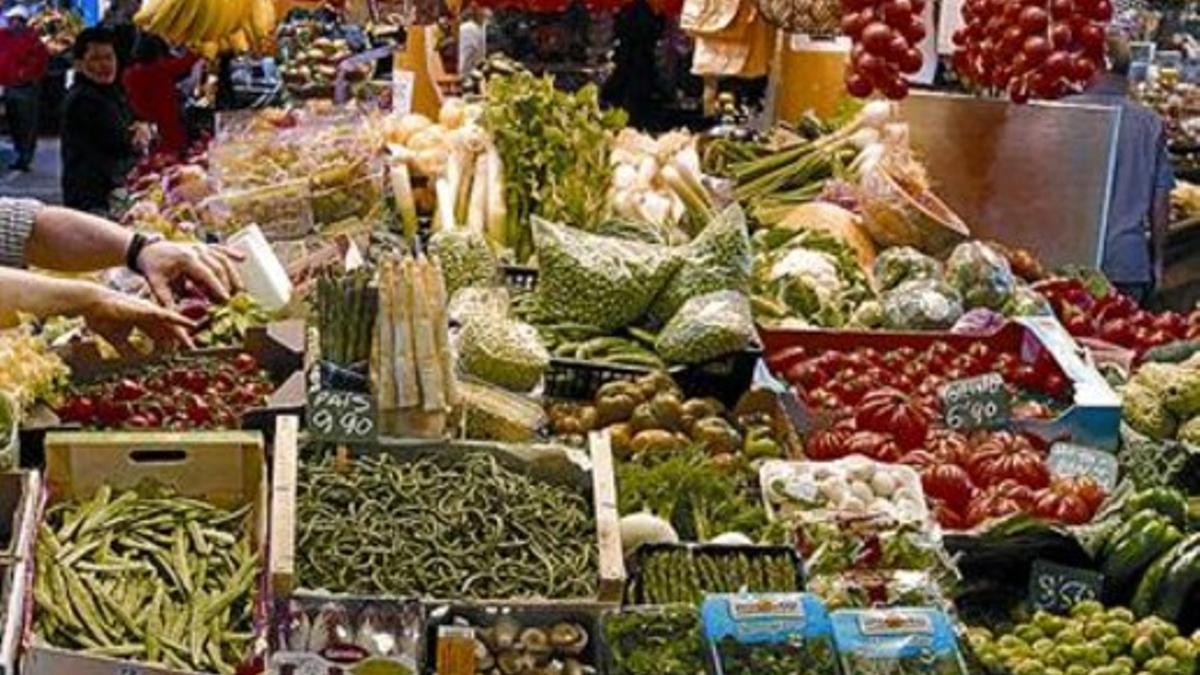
(976, 403)
(342, 416)
(1068, 459)
(1058, 588)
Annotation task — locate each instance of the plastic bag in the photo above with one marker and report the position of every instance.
(718, 259)
(10, 440)
(1027, 302)
(465, 258)
(768, 634)
(897, 641)
(925, 304)
(496, 348)
(860, 589)
(981, 275)
(903, 263)
(597, 281)
(979, 322)
(707, 326)
(384, 632)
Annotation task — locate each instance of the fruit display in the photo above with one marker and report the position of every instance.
(154, 578)
(1104, 313)
(1025, 50)
(178, 393)
(1103, 641)
(210, 27)
(886, 37)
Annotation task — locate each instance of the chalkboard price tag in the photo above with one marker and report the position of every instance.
(976, 403)
(1068, 460)
(1058, 588)
(342, 416)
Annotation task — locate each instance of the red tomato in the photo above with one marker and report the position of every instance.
(1083, 487)
(947, 517)
(1080, 324)
(827, 444)
(1065, 508)
(890, 411)
(950, 447)
(1006, 456)
(807, 375)
(985, 507)
(949, 483)
(918, 458)
(874, 445)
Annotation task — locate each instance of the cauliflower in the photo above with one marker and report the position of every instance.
(1143, 410)
(1190, 432)
(1182, 394)
(923, 304)
(817, 268)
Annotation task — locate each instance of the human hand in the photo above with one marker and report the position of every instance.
(114, 315)
(211, 267)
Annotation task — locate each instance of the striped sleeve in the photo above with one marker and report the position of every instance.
(16, 224)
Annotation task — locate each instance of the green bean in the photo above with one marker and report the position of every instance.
(472, 530)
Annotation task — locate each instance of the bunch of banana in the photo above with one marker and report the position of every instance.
(210, 27)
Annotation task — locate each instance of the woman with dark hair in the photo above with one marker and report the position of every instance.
(151, 85)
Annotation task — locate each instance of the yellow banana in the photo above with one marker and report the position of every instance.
(163, 22)
(146, 13)
(180, 30)
(239, 42)
(209, 16)
(231, 16)
(262, 19)
(209, 50)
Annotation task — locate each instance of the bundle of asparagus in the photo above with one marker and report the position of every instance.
(411, 364)
(346, 309)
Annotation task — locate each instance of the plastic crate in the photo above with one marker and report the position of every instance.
(633, 587)
(724, 379)
(519, 277)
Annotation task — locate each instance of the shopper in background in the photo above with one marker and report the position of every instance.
(60, 239)
(472, 39)
(23, 62)
(634, 80)
(151, 84)
(100, 141)
(1140, 207)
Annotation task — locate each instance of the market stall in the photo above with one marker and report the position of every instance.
(514, 387)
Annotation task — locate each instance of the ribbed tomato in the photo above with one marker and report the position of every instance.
(986, 506)
(827, 444)
(1063, 507)
(949, 483)
(875, 445)
(947, 517)
(893, 412)
(950, 447)
(1007, 456)
(919, 458)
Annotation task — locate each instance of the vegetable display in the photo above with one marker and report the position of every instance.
(1101, 641)
(307, 628)
(1162, 401)
(668, 575)
(29, 371)
(346, 307)
(655, 641)
(1104, 313)
(152, 577)
(854, 486)
(900, 641)
(509, 645)
(470, 529)
(768, 634)
(178, 394)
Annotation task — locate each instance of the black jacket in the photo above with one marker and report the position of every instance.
(97, 148)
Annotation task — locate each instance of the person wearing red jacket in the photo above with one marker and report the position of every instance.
(150, 85)
(23, 61)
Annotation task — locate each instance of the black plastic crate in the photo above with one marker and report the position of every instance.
(725, 378)
(519, 277)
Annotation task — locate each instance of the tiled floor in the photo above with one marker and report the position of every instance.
(42, 183)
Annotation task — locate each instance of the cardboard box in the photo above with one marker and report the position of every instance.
(551, 463)
(225, 468)
(278, 347)
(13, 579)
(1093, 419)
(19, 491)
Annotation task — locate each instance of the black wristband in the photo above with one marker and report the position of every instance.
(136, 246)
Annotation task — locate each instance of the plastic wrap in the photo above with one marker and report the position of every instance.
(310, 629)
(1027, 302)
(718, 259)
(903, 263)
(877, 588)
(981, 275)
(465, 258)
(282, 210)
(664, 574)
(707, 326)
(654, 641)
(897, 641)
(854, 486)
(979, 322)
(924, 304)
(833, 544)
(503, 351)
(597, 281)
(768, 634)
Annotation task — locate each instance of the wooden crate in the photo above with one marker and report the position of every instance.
(225, 468)
(611, 565)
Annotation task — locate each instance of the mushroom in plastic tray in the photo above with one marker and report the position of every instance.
(853, 485)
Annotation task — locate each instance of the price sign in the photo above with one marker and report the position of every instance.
(1058, 588)
(342, 416)
(976, 403)
(1069, 459)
